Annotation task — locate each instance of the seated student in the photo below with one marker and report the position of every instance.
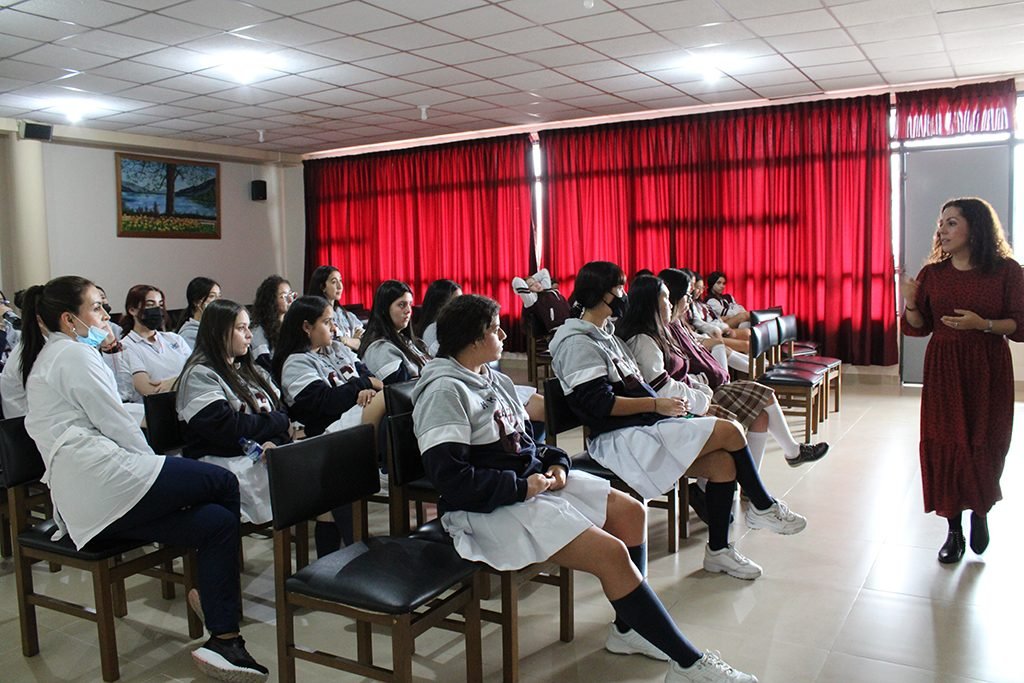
(273, 297)
(10, 326)
(389, 347)
(665, 365)
(542, 302)
(224, 397)
(730, 347)
(153, 358)
(641, 436)
(198, 295)
(113, 355)
(12, 387)
(326, 282)
(105, 481)
(438, 294)
(724, 305)
(510, 502)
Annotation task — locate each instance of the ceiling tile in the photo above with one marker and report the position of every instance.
(155, 94)
(136, 72)
(107, 43)
(430, 97)
(894, 30)
(411, 36)
(634, 45)
(907, 46)
(353, 17)
(600, 27)
(832, 55)
(920, 75)
(13, 68)
(619, 84)
(248, 95)
(349, 49)
(697, 36)
(64, 57)
(378, 104)
(569, 90)
(337, 96)
(161, 29)
(32, 27)
(848, 83)
(749, 9)
(90, 13)
(563, 56)
(911, 62)
(442, 77)
(811, 40)
(288, 31)
(223, 14)
(536, 79)
(343, 74)
(677, 101)
(546, 11)
(535, 38)
(604, 69)
(294, 85)
(831, 71)
(294, 104)
(194, 84)
(757, 65)
(782, 24)
(479, 22)
(88, 82)
(765, 78)
(642, 95)
(11, 45)
(994, 16)
(398, 64)
(859, 13)
(479, 88)
(419, 10)
(387, 87)
(502, 66)
(680, 14)
(788, 90)
(458, 53)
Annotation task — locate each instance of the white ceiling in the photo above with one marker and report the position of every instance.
(356, 72)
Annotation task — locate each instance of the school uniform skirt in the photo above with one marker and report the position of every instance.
(352, 417)
(652, 458)
(518, 535)
(744, 399)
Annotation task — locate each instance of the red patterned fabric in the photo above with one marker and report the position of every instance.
(967, 399)
(459, 211)
(975, 108)
(792, 203)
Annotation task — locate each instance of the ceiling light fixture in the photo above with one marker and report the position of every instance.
(423, 111)
(711, 67)
(245, 67)
(588, 4)
(76, 109)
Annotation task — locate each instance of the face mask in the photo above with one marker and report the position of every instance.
(96, 336)
(153, 317)
(619, 305)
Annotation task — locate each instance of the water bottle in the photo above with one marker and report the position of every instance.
(250, 448)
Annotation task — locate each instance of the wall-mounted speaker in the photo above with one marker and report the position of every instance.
(35, 131)
(258, 190)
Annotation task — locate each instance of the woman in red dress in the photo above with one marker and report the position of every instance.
(970, 298)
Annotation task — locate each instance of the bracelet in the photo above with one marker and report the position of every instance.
(989, 328)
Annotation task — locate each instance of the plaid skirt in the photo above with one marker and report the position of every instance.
(741, 400)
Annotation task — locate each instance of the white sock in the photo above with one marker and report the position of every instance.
(737, 361)
(780, 430)
(757, 442)
(543, 277)
(523, 290)
(720, 354)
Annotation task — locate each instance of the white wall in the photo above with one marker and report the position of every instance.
(258, 238)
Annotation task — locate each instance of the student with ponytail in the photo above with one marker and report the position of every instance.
(105, 481)
(201, 291)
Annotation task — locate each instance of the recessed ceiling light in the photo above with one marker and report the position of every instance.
(75, 109)
(244, 66)
(710, 66)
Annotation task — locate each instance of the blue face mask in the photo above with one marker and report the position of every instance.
(96, 336)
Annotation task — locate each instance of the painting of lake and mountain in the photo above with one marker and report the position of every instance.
(167, 197)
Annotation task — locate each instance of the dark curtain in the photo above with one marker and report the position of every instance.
(459, 211)
(792, 202)
(975, 108)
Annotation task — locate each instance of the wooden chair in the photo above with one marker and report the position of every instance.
(765, 314)
(560, 418)
(833, 366)
(409, 465)
(538, 358)
(404, 584)
(407, 482)
(22, 466)
(798, 389)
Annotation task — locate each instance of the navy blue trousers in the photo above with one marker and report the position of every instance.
(194, 505)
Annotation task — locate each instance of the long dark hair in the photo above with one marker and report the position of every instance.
(318, 280)
(380, 326)
(462, 322)
(643, 316)
(986, 238)
(709, 282)
(136, 298)
(264, 308)
(195, 294)
(679, 282)
(46, 303)
(292, 338)
(592, 282)
(438, 294)
(211, 350)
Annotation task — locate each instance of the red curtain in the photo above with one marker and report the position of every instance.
(976, 108)
(792, 202)
(459, 211)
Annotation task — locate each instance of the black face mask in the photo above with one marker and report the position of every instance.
(619, 305)
(106, 307)
(152, 318)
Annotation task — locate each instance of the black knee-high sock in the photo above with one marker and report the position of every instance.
(343, 519)
(644, 613)
(540, 431)
(956, 522)
(749, 480)
(638, 554)
(327, 538)
(719, 502)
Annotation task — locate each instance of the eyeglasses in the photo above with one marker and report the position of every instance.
(288, 296)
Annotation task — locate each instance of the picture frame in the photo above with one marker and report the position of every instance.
(148, 186)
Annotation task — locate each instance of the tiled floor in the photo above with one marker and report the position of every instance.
(858, 597)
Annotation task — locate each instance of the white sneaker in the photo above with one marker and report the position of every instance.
(631, 643)
(730, 561)
(778, 518)
(708, 669)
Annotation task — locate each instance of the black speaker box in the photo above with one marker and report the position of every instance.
(258, 190)
(36, 131)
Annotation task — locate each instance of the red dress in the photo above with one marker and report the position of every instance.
(967, 400)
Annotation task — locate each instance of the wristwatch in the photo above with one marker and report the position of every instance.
(989, 328)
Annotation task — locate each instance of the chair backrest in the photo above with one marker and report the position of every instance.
(558, 416)
(787, 328)
(163, 429)
(764, 314)
(20, 461)
(763, 337)
(406, 463)
(312, 476)
(398, 397)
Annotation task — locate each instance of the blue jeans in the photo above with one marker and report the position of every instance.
(194, 505)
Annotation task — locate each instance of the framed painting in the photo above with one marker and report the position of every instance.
(159, 197)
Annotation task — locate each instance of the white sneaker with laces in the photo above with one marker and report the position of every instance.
(708, 669)
(778, 518)
(631, 643)
(730, 561)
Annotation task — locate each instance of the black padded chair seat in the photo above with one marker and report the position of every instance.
(826, 361)
(432, 531)
(584, 463)
(791, 378)
(388, 575)
(39, 537)
(422, 484)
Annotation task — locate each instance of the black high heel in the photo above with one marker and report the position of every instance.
(979, 533)
(952, 551)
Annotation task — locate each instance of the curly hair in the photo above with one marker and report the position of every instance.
(986, 239)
